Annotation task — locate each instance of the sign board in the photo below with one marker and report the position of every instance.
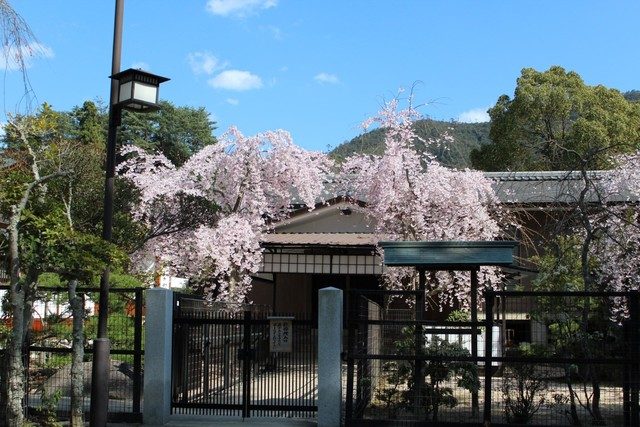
(280, 334)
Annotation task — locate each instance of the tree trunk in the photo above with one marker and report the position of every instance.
(20, 298)
(21, 302)
(595, 406)
(15, 367)
(573, 414)
(76, 301)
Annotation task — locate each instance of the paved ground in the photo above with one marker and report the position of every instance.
(202, 420)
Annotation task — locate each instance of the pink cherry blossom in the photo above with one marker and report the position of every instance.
(617, 249)
(252, 180)
(413, 197)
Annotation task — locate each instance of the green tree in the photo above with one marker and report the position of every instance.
(53, 169)
(54, 246)
(579, 327)
(89, 123)
(51, 196)
(39, 157)
(441, 370)
(176, 132)
(557, 122)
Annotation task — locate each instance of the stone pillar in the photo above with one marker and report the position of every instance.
(157, 356)
(329, 361)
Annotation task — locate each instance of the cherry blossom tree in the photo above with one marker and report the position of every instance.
(598, 251)
(618, 248)
(413, 197)
(250, 180)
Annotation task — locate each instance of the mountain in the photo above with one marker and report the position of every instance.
(632, 95)
(466, 137)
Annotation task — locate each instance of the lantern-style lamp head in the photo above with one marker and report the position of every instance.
(138, 90)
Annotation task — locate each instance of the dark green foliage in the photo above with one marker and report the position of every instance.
(50, 245)
(557, 122)
(90, 123)
(578, 327)
(120, 328)
(120, 323)
(176, 132)
(395, 395)
(191, 211)
(46, 414)
(46, 128)
(559, 267)
(435, 391)
(523, 385)
(466, 137)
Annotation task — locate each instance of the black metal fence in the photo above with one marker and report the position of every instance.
(541, 359)
(48, 356)
(4, 270)
(580, 366)
(222, 363)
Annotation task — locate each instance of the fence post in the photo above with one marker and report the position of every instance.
(419, 343)
(329, 363)
(626, 375)
(246, 364)
(634, 342)
(352, 317)
(489, 297)
(157, 355)
(475, 404)
(137, 357)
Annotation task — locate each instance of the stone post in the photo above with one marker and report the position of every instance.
(157, 356)
(329, 360)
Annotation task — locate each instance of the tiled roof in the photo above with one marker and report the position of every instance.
(533, 187)
(542, 175)
(547, 187)
(325, 239)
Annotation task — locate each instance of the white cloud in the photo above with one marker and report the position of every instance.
(204, 63)
(240, 8)
(232, 101)
(237, 80)
(141, 66)
(27, 53)
(476, 115)
(326, 78)
(275, 32)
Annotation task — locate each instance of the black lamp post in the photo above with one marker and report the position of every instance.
(134, 90)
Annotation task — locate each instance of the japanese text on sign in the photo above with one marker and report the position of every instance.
(280, 334)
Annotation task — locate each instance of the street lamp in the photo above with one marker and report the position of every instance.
(135, 90)
(138, 90)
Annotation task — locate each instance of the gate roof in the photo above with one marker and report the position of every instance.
(449, 255)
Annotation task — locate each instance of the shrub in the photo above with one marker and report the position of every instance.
(523, 386)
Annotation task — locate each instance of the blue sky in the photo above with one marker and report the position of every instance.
(318, 68)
